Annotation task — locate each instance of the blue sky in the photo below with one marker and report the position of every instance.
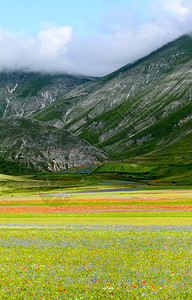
(87, 37)
(28, 17)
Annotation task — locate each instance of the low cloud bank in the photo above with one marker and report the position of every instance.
(122, 37)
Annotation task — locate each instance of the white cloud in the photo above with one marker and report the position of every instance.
(44, 52)
(54, 40)
(175, 7)
(123, 37)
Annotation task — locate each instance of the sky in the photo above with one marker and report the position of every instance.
(87, 37)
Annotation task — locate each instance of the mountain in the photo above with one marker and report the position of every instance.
(143, 108)
(23, 93)
(142, 112)
(40, 147)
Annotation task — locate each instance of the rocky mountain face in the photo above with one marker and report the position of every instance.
(33, 145)
(141, 108)
(23, 93)
(41, 147)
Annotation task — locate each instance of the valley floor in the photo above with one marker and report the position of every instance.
(95, 262)
(139, 206)
(96, 243)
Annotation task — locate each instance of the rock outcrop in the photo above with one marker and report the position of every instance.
(43, 147)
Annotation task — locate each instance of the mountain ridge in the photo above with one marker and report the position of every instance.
(153, 92)
(23, 93)
(143, 110)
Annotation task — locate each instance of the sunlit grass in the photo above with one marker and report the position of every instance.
(97, 220)
(95, 262)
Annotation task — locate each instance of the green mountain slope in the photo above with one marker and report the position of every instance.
(23, 93)
(140, 109)
(142, 113)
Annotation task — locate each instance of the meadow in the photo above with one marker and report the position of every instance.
(138, 206)
(95, 262)
(110, 240)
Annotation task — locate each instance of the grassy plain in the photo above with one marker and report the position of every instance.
(76, 236)
(95, 262)
(99, 205)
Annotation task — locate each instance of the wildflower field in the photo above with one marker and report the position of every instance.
(110, 206)
(95, 262)
(103, 244)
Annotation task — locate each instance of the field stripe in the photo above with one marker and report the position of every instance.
(100, 221)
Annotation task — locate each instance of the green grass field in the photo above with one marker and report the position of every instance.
(95, 262)
(71, 236)
(92, 204)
